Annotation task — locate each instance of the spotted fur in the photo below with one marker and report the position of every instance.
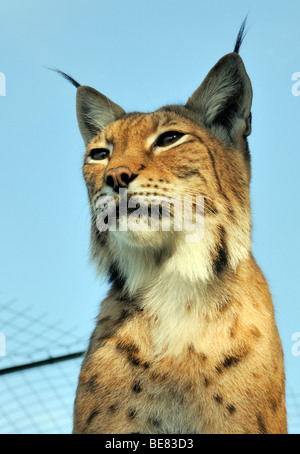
(186, 340)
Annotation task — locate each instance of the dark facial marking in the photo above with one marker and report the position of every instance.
(92, 416)
(136, 387)
(231, 409)
(124, 314)
(91, 385)
(221, 259)
(261, 425)
(115, 278)
(126, 297)
(219, 369)
(212, 159)
(233, 360)
(112, 408)
(132, 413)
(118, 282)
(101, 237)
(161, 255)
(131, 350)
(218, 398)
(154, 421)
(255, 332)
(273, 404)
(135, 361)
(206, 382)
(230, 361)
(209, 207)
(191, 348)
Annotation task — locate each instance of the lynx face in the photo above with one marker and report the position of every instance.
(148, 155)
(196, 150)
(156, 157)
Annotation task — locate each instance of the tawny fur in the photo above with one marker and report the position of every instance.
(186, 340)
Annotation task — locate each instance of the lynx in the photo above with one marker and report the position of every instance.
(186, 340)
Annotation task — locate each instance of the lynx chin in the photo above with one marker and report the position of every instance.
(186, 340)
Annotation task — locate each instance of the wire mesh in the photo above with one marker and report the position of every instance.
(39, 400)
(39, 372)
(31, 337)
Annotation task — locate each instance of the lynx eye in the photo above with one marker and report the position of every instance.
(98, 154)
(167, 138)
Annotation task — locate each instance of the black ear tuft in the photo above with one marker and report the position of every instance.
(240, 37)
(66, 76)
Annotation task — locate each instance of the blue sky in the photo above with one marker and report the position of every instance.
(141, 55)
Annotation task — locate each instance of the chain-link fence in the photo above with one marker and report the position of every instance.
(39, 372)
(39, 400)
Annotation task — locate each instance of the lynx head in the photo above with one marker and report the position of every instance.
(196, 149)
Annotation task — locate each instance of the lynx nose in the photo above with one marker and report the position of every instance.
(119, 177)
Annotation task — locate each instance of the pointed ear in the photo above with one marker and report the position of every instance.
(223, 100)
(94, 112)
